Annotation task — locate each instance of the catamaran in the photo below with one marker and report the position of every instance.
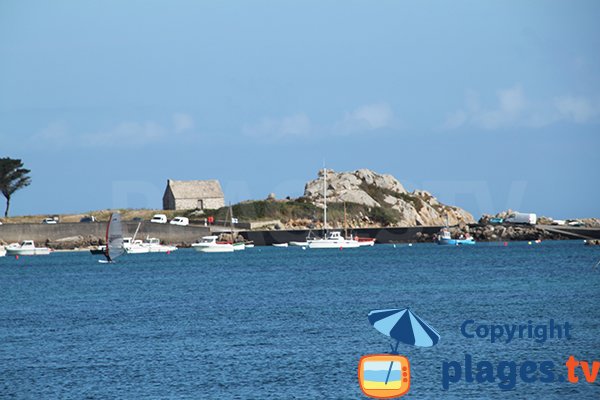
(114, 239)
(333, 239)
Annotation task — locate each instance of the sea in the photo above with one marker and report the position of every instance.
(291, 323)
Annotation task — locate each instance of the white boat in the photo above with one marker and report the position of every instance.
(237, 246)
(334, 239)
(280, 245)
(362, 242)
(2, 251)
(150, 245)
(135, 246)
(26, 248)
(209, 244)
(298, 244)
(154, 246)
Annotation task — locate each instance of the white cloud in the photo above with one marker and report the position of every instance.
(128, 133)
(55, 134)
(578, 109)
(182, 122)
(368, 117)
(297, 125)
(514, 109)
(511, 103)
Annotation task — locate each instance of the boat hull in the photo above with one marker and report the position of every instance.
(38, 251)
(333, 244)
(456, 242)
(298, 244)
(219, 248)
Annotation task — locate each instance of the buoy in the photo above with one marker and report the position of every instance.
(168, 252)
(505, 243)
(394, 245)
(528, 242)
(16, 257)
(341, 247)
(410, 245)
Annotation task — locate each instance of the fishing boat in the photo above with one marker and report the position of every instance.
(333, 239)
(26, 248)
(154, 246)
(445, 238)
(237, 246)
(209, 244)
(114, 239)
(365, 241)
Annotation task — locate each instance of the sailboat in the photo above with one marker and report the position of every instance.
(333, 239)
(114, 239)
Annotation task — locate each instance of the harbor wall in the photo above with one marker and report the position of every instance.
(383, 235)
(42, 233)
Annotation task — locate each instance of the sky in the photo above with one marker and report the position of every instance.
(488, 105)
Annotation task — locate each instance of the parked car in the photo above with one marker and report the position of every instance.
(575, 223)
(159, 219)
(559, 222)
(90, 218)
(49, 221)
(182, 221)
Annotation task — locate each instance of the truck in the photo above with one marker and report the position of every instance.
(521, 218)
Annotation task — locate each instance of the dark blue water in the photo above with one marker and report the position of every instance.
(285, 323)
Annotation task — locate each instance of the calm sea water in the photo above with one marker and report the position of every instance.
(284, 323)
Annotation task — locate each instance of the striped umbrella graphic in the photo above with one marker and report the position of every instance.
(404, 326)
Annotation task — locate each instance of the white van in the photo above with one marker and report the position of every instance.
(181, 221)
(159, 219)
(521, 218)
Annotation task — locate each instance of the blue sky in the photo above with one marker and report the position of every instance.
(488, 105)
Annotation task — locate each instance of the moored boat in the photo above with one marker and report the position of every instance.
(209, 244)
(280, 245)
(365, 241)
(333, 240)
(298, 244)
(2, 251)
(445, 238)
(26, 248)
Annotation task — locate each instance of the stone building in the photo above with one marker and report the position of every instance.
(190, 195)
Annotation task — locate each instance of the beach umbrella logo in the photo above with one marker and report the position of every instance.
(385, 376)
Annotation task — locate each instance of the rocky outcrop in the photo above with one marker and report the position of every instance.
(498, 233)
(74, 242)
(368, 188)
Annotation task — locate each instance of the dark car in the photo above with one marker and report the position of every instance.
(88, 219)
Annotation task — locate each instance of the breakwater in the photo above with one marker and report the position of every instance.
(383, 235)
(88, 232)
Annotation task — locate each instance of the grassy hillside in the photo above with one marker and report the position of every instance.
(300, 209)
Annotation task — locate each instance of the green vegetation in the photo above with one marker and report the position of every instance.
(301, 209)
(12, 178)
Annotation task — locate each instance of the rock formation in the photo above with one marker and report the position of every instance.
(368, 188)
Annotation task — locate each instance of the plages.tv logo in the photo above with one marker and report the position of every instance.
(386, 376)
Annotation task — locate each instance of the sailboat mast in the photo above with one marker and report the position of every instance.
(325, 197)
